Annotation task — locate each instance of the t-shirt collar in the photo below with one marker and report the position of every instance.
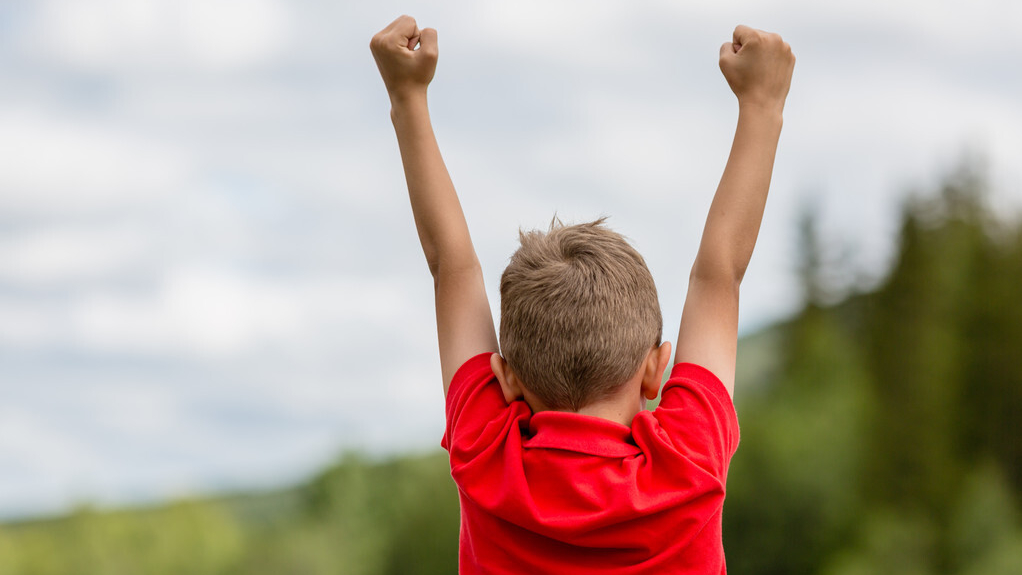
(581, 433)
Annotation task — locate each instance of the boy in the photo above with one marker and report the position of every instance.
(559, 467)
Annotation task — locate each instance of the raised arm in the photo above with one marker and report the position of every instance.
(406, 57)
(758, 67)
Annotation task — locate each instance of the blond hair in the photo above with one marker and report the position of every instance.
(578, 313)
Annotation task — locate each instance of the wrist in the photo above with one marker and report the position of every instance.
(408, 106)
(766, 110)
(407, 96)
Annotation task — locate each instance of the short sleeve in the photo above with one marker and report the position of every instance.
(474, 399)
(698, 416)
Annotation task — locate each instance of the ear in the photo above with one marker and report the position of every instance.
(506, 378)
(656, 364)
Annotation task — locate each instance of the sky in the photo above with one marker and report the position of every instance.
(209, 274)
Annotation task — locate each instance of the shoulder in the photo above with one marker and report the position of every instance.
(697, 415)
(475, 371)
(474, 381)
(692, 382)
(474, 400)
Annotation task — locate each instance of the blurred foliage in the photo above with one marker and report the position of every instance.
(880, 434)
(358, 517)
(887, 437)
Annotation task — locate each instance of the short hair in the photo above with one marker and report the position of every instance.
(578, 313)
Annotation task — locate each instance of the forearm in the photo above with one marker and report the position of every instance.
(439, 219)
(736, 212)
(758, 67)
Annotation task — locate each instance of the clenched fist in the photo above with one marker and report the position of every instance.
(406, 70)
(758, 67)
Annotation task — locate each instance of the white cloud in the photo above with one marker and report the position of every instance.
(558, 31)
(197, 313)
(204, 313)
(59, 254)
(40, 461)
(58, 164)
(216, 35)
(31, 326)
(933, 27)
(232, 33)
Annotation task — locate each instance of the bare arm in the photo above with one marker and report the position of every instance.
(758, 68)
(464, 324)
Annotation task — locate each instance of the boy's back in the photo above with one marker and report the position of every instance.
(561, 492)
(560, 468)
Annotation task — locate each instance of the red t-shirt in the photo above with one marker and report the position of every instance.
(565, 493)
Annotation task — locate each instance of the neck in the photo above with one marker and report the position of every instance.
(622, 407)
(622, 412)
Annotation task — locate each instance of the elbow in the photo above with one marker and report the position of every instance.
(432, 260)
(440, 267)
(434, 267)
(720, 274)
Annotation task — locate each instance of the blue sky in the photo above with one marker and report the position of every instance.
(209, 275)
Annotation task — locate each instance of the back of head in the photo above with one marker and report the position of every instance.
(578, 313)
